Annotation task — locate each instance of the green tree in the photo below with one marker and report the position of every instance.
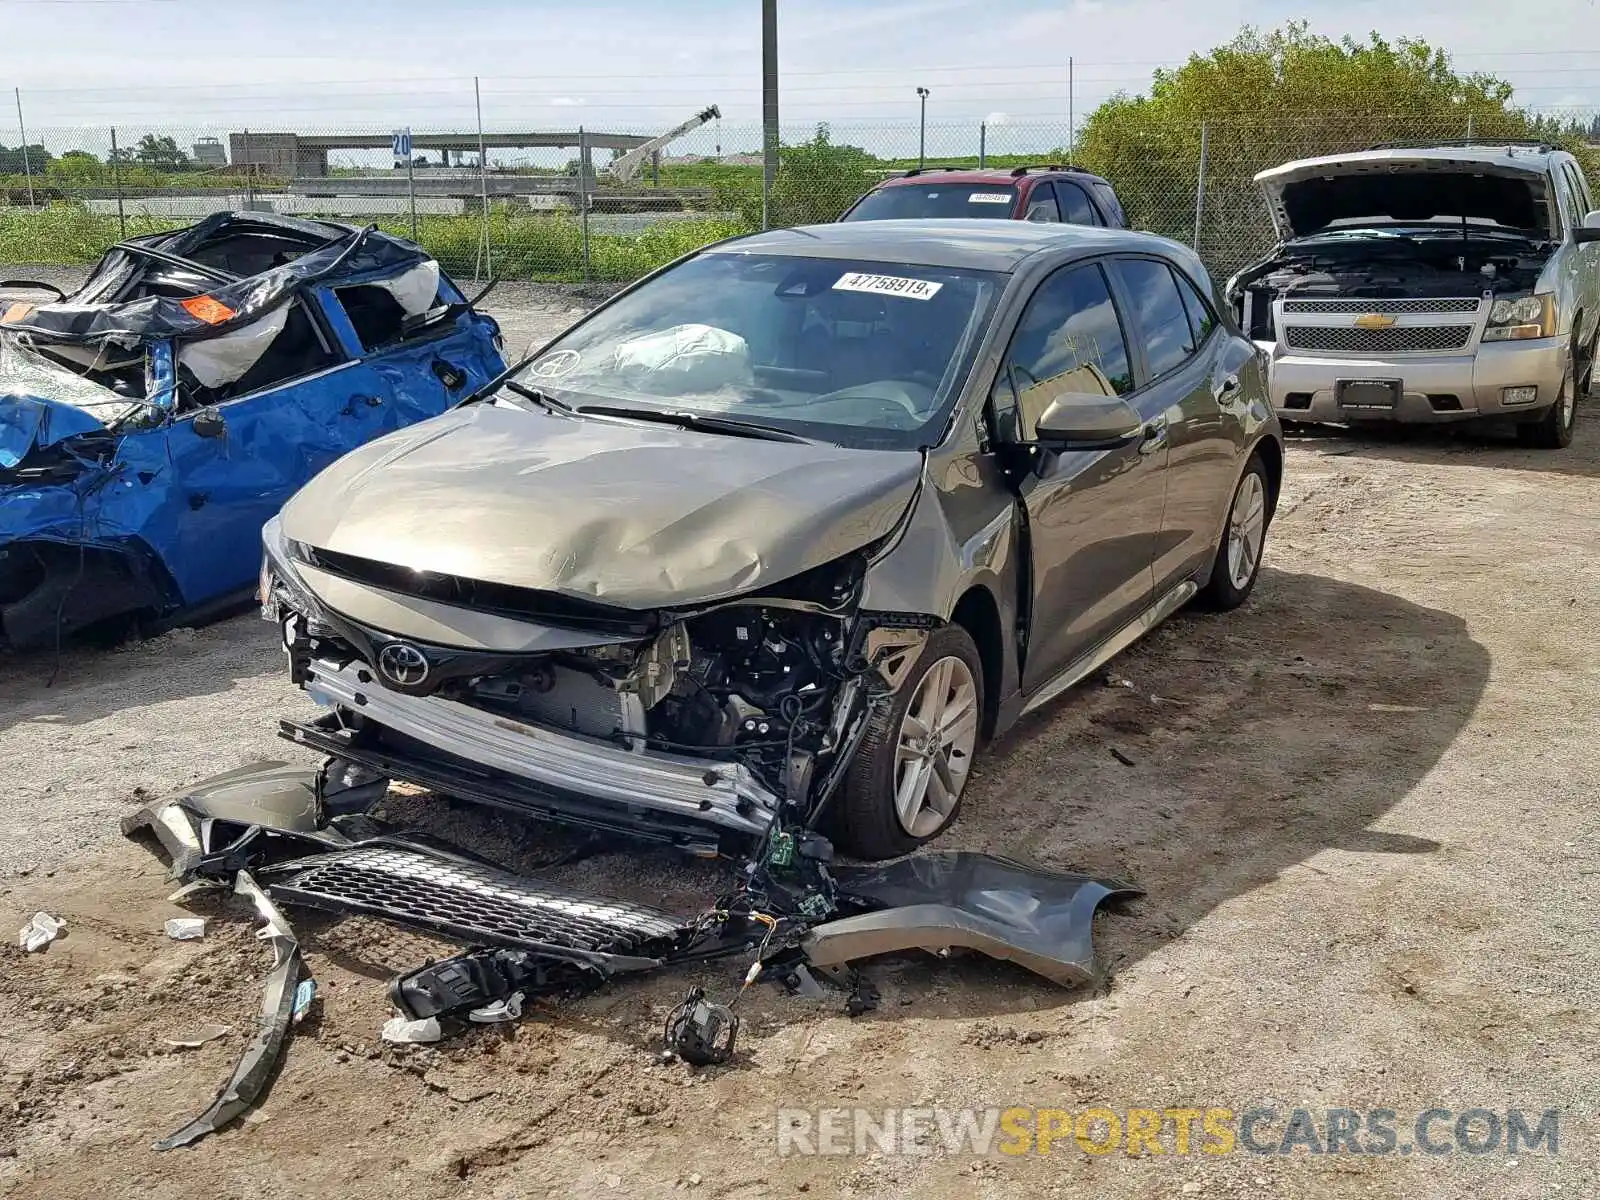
(75, 168)
(159, 152)
(36, 160)
(1267, 98)
(817, 180)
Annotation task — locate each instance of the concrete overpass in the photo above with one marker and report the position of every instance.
(305, 154)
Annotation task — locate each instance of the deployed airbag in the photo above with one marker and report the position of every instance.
(223, 360)
(693, 357)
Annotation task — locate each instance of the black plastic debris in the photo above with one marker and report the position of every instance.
(700, 1032)
(259, 1062)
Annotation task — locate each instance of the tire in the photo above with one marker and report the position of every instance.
(1552, 430)
(1233, 578)
(866, 821)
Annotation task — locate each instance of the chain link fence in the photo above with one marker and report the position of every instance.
(550, 207)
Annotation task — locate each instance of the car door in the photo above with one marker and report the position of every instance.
(234, 462)
(1586, 257)
(1074, 204)
(418, 368)
(1042, 204)
(1092, 516)
(1194, 390)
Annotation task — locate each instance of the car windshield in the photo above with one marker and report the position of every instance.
(862, 354)
(949, 199)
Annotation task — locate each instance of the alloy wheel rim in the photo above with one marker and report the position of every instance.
(1247, 527)
(933, 751)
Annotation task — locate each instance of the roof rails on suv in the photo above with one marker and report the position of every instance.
(1020, 171)
(1423, 143)
(925, 170)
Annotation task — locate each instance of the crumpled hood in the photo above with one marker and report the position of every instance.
(1413, 186)
(635, 516)
(28, 423)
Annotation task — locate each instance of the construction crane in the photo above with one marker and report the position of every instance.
(625, 167)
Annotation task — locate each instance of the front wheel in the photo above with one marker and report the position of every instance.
(1238, 561)
(1553, 429)
(905, 785)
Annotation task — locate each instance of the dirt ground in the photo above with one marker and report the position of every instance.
(1362, 809)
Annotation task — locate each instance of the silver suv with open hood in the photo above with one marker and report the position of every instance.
(1437, 283)
(772, 541)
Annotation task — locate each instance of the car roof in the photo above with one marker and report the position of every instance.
(981, 244)
(1004, 176)
(1532, 159)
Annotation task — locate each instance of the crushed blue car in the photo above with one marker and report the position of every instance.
(154, 420)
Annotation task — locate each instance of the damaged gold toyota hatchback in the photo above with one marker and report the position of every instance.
(775, 539)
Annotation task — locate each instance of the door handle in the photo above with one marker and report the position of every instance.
(1155, 436)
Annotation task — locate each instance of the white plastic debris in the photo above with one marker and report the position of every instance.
(508, 1009)
(206, 1033)
(186, 929)
(400, 1029)
(40, 932)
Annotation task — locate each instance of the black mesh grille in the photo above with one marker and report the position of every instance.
(1399, 339)
(476, 904)
(1448, 304)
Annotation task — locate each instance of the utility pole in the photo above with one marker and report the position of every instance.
(922, 129)
(769, 106)
(27, 168)
(1072, 123)
(484, 252)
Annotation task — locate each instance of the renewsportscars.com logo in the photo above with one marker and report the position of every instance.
(1018, 1131)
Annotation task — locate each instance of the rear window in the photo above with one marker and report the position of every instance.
(949, 199)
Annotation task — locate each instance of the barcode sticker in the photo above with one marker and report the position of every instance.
(888, 285)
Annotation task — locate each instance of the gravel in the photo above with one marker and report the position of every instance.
(1362, 808)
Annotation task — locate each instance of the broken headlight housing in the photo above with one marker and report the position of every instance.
(278, 575)
(1515, 318)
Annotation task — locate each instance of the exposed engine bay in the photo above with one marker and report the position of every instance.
(1379, 264)
(739, 718)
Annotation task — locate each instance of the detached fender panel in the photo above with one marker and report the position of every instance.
(1040, 919)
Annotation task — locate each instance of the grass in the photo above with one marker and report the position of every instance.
(545, 248)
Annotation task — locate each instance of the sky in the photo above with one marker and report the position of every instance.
(189, 66)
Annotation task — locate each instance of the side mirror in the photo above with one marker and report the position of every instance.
(1589, 231)
(1079, 421)
(208, 423)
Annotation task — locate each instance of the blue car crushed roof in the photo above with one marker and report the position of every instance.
(153, 421)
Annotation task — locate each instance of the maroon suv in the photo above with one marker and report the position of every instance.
(1043, 193)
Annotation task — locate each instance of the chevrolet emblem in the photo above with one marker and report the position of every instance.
(1374, 321)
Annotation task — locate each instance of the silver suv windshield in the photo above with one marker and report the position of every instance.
(862, 354)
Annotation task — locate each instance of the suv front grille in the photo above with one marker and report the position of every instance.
(1450, 304)
(1402, 339)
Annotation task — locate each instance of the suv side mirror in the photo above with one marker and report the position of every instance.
(208, 423)
(1080, 421)
(1589, 231)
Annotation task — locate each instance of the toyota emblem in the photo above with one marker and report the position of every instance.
(402, 664)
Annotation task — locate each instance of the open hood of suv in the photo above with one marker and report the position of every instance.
(1411, 187)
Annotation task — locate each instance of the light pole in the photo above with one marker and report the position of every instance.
(922, 130)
